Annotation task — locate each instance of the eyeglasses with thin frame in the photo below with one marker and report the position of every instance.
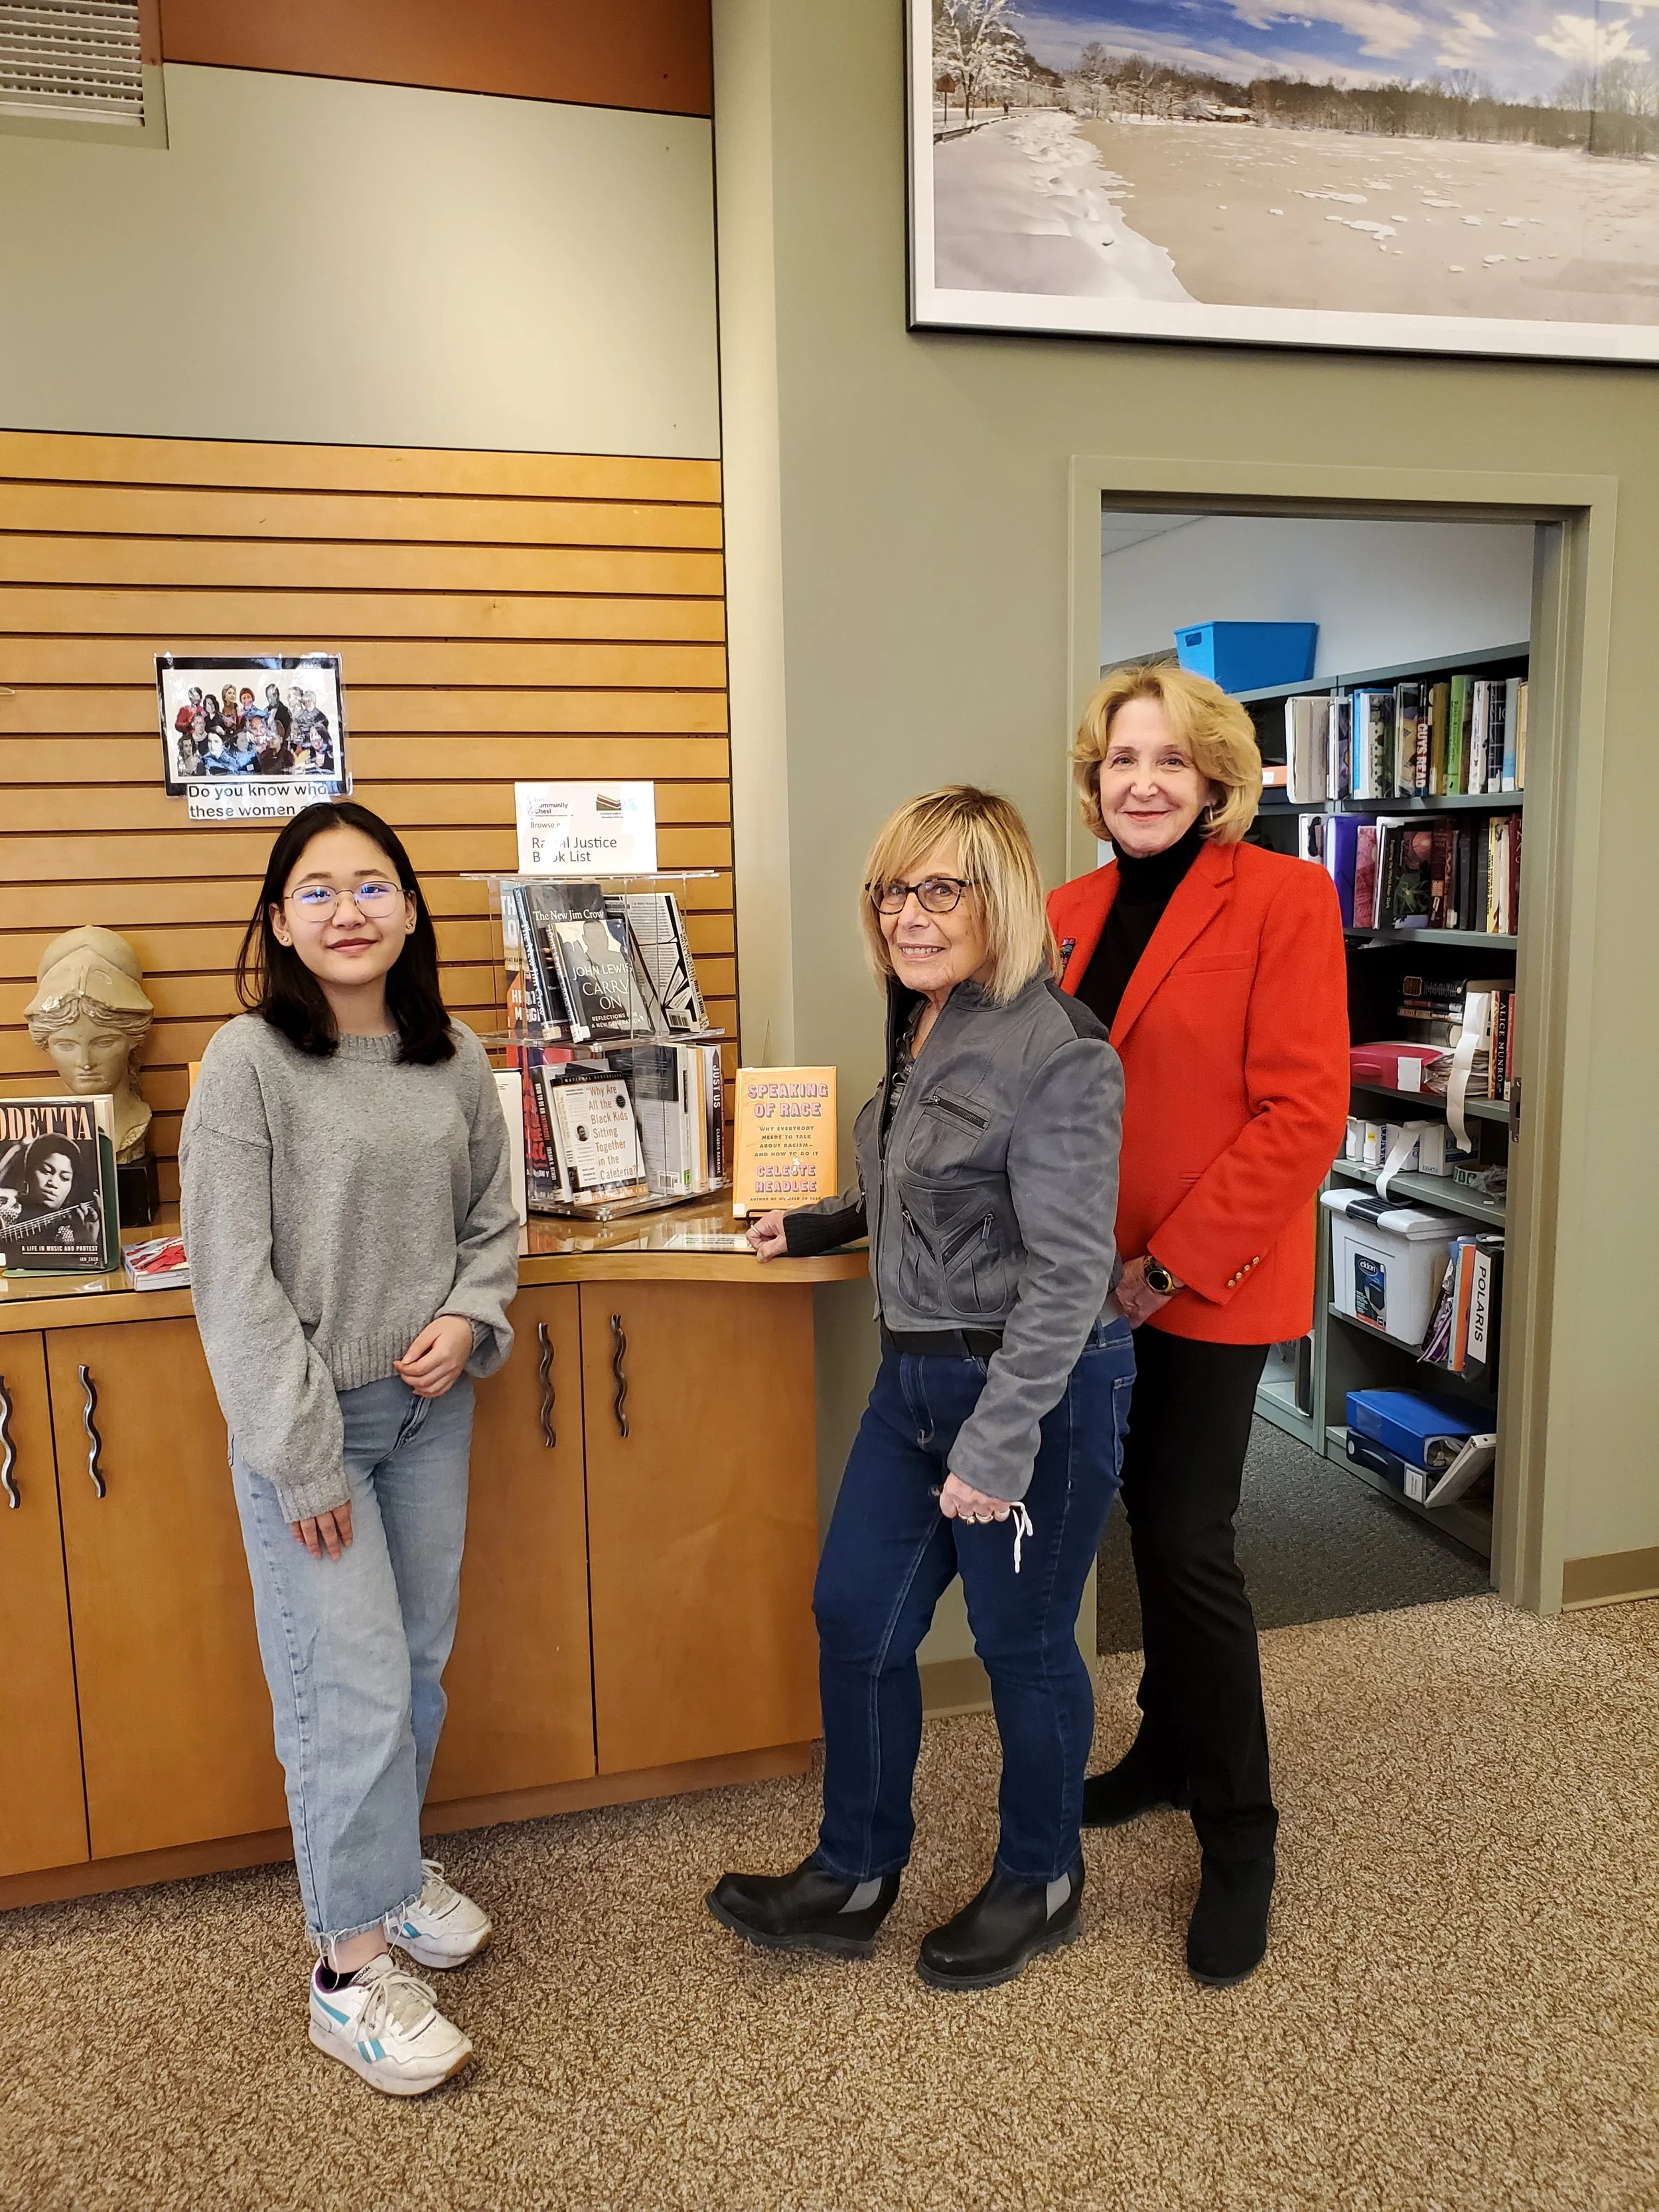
(373, 900)
(934, 894)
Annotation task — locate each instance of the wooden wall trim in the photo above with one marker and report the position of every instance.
(1607, 1578)
(651, 54)
(270, 1847)
(499, 617)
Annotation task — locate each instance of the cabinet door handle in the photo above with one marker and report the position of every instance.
(621, 1374)
(545, 1368)
(8, 1449)
(95, 1442)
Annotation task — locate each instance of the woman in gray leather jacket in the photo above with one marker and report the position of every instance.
(987, 1187)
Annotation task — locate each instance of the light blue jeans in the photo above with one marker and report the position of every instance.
(354, 1648)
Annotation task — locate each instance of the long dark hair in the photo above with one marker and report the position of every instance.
(273, 982)
(42, 1150)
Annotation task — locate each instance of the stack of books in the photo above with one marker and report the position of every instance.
(160, 1264)
(592, 966)
(1463, 1331)
(1464, 734)
(1412, 873)
(1432, 1011)
(620, 1081)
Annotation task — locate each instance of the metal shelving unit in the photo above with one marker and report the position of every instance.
(1486, 939)
(1439, 1191)
(1347, 1355)
(1450, 803)
(1477, 1109)
(1360, 679)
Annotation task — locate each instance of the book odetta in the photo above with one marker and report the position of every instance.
(90, 1015)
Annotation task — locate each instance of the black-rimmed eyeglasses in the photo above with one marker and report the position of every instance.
(934, 894)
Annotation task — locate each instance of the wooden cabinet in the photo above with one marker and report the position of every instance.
(636, 1607)
(43, 1814)
(702, 1518)
(519, 1682)
(175, 1721)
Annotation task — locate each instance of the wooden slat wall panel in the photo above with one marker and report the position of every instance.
(500, 617)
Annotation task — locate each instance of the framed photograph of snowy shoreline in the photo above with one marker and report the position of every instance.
(1401, 174)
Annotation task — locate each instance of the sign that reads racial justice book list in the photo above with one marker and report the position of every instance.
(785, 1138)
(586, 828)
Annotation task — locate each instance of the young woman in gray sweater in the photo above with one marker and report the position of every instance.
(353, 1248)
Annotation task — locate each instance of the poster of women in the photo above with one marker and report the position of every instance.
(253, 738)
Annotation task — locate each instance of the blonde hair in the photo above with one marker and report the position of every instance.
(994, 848)
(1216, 731)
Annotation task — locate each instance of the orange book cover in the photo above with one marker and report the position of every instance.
(785, 1128)
(1458, 1351)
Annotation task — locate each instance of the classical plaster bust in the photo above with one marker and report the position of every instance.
(91, 1015)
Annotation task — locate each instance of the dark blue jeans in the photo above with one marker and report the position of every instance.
(890, 1556)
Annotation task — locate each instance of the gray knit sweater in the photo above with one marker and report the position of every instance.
(332, 1209)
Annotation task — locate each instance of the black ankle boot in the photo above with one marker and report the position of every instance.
(1227, 1935)
(1139, 1783)
(1008, 1924)
(811, 1910)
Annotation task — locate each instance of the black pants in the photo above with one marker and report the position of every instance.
(1200, 1688)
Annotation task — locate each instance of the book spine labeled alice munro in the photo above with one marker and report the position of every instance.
(785, 1138)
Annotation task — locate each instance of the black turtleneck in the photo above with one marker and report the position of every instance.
(1145, 889)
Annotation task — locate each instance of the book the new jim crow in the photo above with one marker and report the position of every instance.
(785, 1138)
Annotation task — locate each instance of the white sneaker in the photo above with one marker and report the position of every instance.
(385, 2026)
(442, 1928)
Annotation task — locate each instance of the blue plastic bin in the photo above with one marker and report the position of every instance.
(1243, 656)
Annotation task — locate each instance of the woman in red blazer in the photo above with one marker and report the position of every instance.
(1219, 969)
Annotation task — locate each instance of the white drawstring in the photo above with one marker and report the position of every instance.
(1023, 1528)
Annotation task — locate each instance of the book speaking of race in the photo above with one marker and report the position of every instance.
(785, 1138)
(586, 828)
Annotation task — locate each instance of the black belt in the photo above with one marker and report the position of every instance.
(942, 1343)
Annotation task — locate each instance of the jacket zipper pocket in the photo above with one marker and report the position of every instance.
(940, 1104)
(963, 1237)
(909, 1222)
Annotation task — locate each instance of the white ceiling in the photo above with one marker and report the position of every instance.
(1118, 531)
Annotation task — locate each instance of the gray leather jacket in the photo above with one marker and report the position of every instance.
(989, 1198)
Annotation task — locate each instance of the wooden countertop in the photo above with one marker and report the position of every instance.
(642, 1249)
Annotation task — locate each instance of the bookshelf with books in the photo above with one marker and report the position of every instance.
(1408, 785)
(621, 1076)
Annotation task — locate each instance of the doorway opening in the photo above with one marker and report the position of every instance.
(1398, 739)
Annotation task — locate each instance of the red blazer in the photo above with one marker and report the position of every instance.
(1234, 1037)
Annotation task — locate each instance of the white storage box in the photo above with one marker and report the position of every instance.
(1386, 1271)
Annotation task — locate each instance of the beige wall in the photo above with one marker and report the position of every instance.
(365, 264)
(1382, 592)
(923, 627)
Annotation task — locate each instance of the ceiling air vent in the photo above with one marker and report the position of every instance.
(72, 61)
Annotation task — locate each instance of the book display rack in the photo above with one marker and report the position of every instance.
(1427, 868)
(619, 1072)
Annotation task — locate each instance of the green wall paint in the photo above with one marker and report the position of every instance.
(923, 508)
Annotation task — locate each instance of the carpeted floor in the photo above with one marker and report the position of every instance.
(1315, 1543)
(1457, 2015)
